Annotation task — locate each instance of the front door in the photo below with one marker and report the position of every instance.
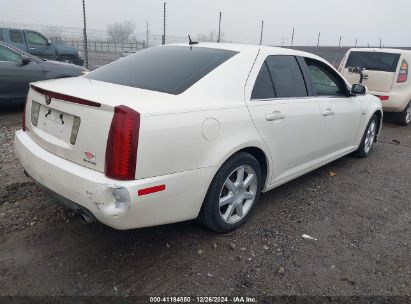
(341, 113)
(39, 46)
(287, 119)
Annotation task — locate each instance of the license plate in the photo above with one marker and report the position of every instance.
(56, 123)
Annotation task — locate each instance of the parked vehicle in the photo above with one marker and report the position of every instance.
(179, 132)
(385, 73)
(38, 45)
(18, 69)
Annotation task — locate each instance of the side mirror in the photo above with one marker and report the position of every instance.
(358, 89)
(25, 60)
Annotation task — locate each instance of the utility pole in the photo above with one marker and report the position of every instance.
(339, 44)
(85, 47)
(292, 37)
(164, 25)
(262, 31)
(147, 35)
(219, 28)
(318, 41)
(356, 42)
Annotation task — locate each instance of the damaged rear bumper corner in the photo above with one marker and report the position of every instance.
(115, 203)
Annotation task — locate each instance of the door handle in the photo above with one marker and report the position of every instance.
(328, 113)
(276, 115)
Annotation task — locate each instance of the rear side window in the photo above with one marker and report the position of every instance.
(263, 87)
(287, 76)
(16, 36)
(377, 61)
(171, 69)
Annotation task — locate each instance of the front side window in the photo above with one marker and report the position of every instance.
(34, 38)
(170, 69)
(8, 55)
(325, 82)
(286, 76)
(16, 36)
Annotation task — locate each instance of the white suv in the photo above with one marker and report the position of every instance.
(385, 73)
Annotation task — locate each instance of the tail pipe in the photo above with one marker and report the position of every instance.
(86, 217)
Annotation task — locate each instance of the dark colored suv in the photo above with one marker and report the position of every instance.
(37, 44)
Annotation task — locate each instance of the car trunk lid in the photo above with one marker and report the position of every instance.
(71, 118)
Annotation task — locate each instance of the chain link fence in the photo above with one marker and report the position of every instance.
(102, 46)
(121, 39)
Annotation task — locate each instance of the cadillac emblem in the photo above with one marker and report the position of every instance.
(48, 99)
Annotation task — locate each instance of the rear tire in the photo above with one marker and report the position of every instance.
(233, 194)
(404, 117)
(368, 139)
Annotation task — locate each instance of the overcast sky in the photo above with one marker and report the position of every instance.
(367, 20)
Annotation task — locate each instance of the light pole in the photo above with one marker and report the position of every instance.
(164, 24)
(219, 28)
(262, 31)
(85, 47)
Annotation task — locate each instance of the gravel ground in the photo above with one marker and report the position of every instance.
(358, 211)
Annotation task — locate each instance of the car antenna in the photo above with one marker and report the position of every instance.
(191, 42)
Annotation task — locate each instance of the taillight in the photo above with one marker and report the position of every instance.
(121, 151)
(403, 74)
(383, 98)
(24, 114)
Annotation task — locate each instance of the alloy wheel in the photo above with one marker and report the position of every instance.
(238, 194)
(370, 137)
(408, 114)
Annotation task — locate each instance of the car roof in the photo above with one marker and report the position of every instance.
(247, 47)
(381, 50)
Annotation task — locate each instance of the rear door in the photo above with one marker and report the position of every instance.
(380, 67)
(15, 77)
(341, 113)
(286, 118)
(39, 46)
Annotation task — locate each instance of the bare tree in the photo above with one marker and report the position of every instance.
(121, 32)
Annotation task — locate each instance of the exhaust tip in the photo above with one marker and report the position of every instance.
(86, 219)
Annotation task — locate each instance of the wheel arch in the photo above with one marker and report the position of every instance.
(380, 116)
(260, 153)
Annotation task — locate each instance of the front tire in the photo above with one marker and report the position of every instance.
(404, 118)
(233, 194)
(368, 139)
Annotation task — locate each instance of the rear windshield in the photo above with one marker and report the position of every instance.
(374, 61)
(171, 69)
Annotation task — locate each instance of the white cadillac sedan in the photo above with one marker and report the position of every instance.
(180, 132)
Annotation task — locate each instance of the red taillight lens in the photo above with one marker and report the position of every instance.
(121, 151)
(403, 74)
(24, 114)
(383, 98)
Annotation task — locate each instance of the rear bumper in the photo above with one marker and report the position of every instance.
(115, 203)
(396, 102)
